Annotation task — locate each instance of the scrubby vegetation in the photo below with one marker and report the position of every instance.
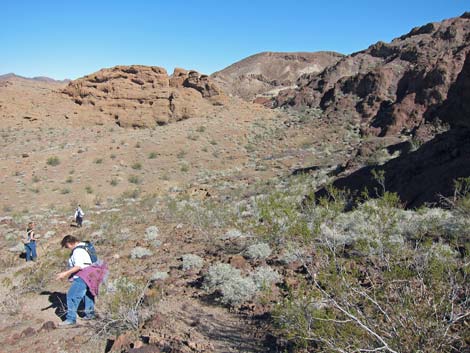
(375, 277)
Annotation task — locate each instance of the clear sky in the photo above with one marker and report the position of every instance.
(68, 39)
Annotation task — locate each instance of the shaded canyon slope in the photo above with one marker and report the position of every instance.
(265, 74)
(392, 88)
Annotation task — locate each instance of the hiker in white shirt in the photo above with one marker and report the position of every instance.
(79, 216)
(78, 291)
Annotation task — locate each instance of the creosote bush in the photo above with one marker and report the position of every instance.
(384, 279)
(122, 307)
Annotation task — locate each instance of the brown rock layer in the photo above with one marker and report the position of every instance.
(143, 96)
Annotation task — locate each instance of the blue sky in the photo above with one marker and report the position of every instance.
(69, 39)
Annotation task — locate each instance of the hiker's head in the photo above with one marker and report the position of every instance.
(69, 241)
(30, 225)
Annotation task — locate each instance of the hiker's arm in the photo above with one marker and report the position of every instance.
(68, 273)
(33, 236)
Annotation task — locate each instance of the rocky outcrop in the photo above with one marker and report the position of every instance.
(265, 74)
(143, 96)
(393, 88)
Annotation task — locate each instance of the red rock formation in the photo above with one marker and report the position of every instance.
(394, 87)
(142, 96)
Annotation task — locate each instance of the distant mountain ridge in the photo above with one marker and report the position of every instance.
(12, 75)
(264, 74)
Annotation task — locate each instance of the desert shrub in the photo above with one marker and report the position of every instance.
(114, 182)
(219, 274)
(123, 306)
(159, 275)
(232, 234)
(152, 155)
(140, 252)
(89, 189)
(284, 219)
(152, 233)
(203, 215)
(184, 167)
(237, 290)
(402, 301)
(264, 276)
(131, 194)
(53, 161)
(134, 179)
(228, 281)
(192, 262)
(137, 166)
(98, 160)
(258, 251)
(38, 277)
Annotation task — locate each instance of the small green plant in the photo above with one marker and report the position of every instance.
(193, 136)
(131, 194)
(65, 191)
(134, 179)
(98, 160)
(89, 189)
(153, 155)
(137, 166)
(181, 154)
(53, 161)
(114, 182)
(201, 128)
(184, 167)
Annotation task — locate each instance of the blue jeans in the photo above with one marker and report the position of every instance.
(30, 251)
(78, 291)
(79, 221)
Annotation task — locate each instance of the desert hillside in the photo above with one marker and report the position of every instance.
(265, 74)
(334, 218)
(395, 87)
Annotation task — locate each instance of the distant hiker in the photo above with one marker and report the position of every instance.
(79, 216)
(86, 274)
(29, 241)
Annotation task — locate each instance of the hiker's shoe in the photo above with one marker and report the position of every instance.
(66, 323)
(88, 318)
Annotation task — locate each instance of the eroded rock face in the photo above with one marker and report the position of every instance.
(396, 87)
(143, 96)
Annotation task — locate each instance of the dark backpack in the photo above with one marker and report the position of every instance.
(90, 249)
